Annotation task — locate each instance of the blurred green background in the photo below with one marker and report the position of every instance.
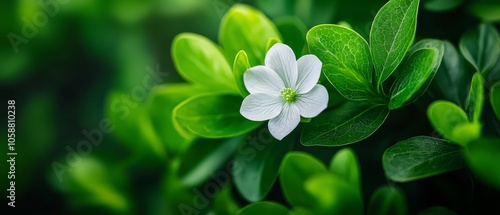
(60, 60)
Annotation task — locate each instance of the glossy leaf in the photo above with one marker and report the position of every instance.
(213, 116)
(483, 156)
(392, 33)
(346, 59)
(388, 200)
(480, 47)
(495, 99)
(257, 163)
(416, 72)
(345, 165)
(240, 66)
(204, 157)
(332, 195)
(346, 124)
(476, 98)
(420, 157)
(247, 29)
(445, 116)
(295, 169)
(200, 61)
(264, 208)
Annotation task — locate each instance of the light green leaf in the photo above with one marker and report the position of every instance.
(200, 61)
(161, 103)
(213, 115)
(480, 46)
(445, 117)
(451, 78)
(240, 66)
(335, 127)
(346, 59)
(204, 157)
(420, 157)
(247, 29)
(437, 210)
(388, 200)
(333, 195)
(476, 98)
(483, 156)
(465, 133)
(441, 5)
(264, 208)
(295, 169)
(417, 71)
(345, 165)
(257, 163)
(392, 33)
(495, 99)
(271, 42)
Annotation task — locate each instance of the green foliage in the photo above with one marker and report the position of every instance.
(345, 164)
(441, 5)
(392, 33)
(387, 200)
(420, 157)
(476, 98)
(495, 99)
(334, 128)
(264, 208)
(480, 154)
(240, 66)
(480, 47)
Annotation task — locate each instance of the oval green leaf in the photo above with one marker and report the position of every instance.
(417, 71)
(421, 157)
(346, 124)
(392, 34)
(476, 98)
(240, 66)
(345, 165)
(295, 169)
(495, 99)
(480, 47)
(388, 200)
(200, 61)
(264, 208)
(483, 156)
(247, 29)
(346, 59)
(213, 116)
(445, 116)
(204, 157)
(257, 163)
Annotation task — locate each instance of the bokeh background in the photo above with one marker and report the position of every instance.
(61, 59)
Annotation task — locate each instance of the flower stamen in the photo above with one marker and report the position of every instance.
(289, 94)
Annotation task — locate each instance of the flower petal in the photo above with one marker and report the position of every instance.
(281, 59)
(261, 106)
(309, 70)
(262, 79)
(313, 102)
(285, 122)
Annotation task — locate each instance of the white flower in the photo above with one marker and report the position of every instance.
(283, 90)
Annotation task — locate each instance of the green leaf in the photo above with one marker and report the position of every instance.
(200, 61)
(481, 47)
(295, 169)
(345, 165)
(346, 60)
(483, 156)
(476, 98)
(441, 5)
(335, 127)
(240, 66)
(258, 161)
(247, 29)
(264, 208)
(392, 33)
(437, 210)
(445, 117)
(271, 42)
(161, 103)
(293, 31)
(495, 99)
(388, 200)
(212, 115)
(420, 157)
(332, 195)
(488, 10)
(204, 157)
(451, 77)
(465, 133)
(224, 203)
(417, 71)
